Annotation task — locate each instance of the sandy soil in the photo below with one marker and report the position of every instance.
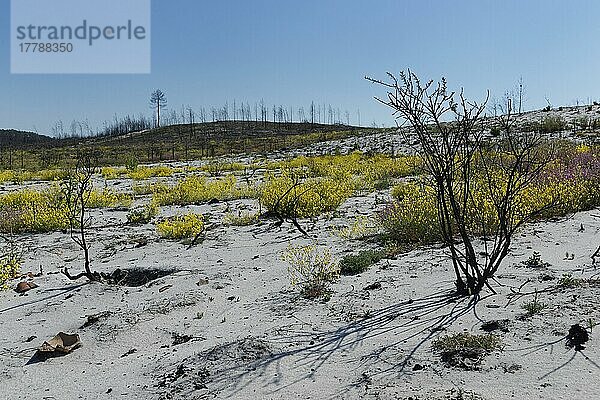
(225, 322)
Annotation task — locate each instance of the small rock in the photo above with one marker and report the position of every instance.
(23, 287)
(202, 282)
(373, 286)
(490, 326)
(511, 369)
(129, 352)
(492, 306)
(180, 338)
(166, 287)
(94, 318)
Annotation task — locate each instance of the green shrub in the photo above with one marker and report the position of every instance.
(569, 281)
(355, 264)
(552, 124)
(131, 164)
(535, 261)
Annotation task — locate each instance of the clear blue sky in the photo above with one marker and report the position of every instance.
(291, 52)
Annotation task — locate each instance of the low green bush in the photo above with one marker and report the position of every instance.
(466, 350)
(552, 124)
(356, 263)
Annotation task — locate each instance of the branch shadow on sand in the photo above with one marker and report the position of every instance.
(417, 320)
(59, 292)
(530, 350)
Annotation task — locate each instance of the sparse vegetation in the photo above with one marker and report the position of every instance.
(241, 218)
(292, 196)
(567, 185)
(143, 214)
(311, 268)
(466, 350)
(535, 261)
(534, 306)
(569, 281)
(590, 324)
(10, 261)
(552, 124)
(46, 210)
(140, 173)
(136, 172)
(107, 198)
(14, 176)
(360, 228)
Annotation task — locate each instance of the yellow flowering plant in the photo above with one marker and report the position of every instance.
(196, 189)
(292, 195)
(10, 263)
(311, 268)
(181, 226)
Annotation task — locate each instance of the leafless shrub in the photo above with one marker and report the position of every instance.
(461, 163)
(77, 189)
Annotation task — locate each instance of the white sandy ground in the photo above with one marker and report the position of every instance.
(258, 339)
